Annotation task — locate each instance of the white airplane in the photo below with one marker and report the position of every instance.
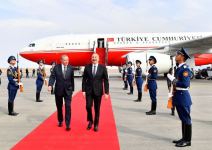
(116, 49)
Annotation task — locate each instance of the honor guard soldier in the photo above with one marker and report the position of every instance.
(41, 74)
(33, 73)
(138, 80)
(152, 84)
(181, 97)
(51, 70)
(130, 77)
(124, 77)
(13, 85)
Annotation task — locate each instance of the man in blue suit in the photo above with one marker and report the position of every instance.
(152, 84)
(13, 85)
(181, 97)
(40, 79)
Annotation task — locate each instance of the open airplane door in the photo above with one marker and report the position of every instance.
(101, 50)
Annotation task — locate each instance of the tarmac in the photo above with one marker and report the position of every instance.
(136, 131)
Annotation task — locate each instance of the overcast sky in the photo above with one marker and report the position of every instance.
(23, 21)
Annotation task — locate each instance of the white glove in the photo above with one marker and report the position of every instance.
(170, 95)
(20, 84)
(146, 73)
(45, 79)
(171, 77)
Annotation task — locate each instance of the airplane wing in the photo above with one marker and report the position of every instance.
(200, 46)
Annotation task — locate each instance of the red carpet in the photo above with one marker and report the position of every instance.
(47, 136)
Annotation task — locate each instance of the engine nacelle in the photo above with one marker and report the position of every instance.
(163, 64)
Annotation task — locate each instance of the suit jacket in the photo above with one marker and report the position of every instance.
(63, 85)
(95, 84)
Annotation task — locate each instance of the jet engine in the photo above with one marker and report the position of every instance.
(164, 62)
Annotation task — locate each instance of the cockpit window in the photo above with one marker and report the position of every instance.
(32, 45)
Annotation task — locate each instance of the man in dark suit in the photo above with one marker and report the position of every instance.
(92, 87)
(63, 74)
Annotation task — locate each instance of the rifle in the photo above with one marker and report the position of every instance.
(169, 105)
(146, 84)
(44, 75)
(19, 75)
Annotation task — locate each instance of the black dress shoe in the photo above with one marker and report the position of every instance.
(151, 113)
(183, 144)
(60, 124)
(89, 125)
(13, 114)
(96, 129)
(125, 89)
(137, 100)
(68, 128)
(39, 101)
(177, 141)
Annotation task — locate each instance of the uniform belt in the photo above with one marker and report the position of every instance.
(129, 74)
(137, 76)
(151, 79)
(182, 89)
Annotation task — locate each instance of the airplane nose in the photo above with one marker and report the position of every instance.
(25, 51)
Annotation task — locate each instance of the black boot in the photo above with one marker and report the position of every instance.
(52, 91)
(153, 109)
(125, 85)
(187, 139)
(183, 135)
(13, 112)
(38, 97)
(173, 109)
(10, 109)
(147, 113)
(139, 98)
(131, 89)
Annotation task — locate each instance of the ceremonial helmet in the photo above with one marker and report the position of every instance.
(184, 52)
(129, 62)
(11, 58)
(138, 61)
(153, 58)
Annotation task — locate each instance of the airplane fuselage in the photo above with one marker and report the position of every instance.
(111, 47)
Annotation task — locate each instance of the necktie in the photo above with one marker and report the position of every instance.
(94, 70)
(65, 69)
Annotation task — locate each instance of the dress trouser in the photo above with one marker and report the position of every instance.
(59, 104)
(90, 99)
